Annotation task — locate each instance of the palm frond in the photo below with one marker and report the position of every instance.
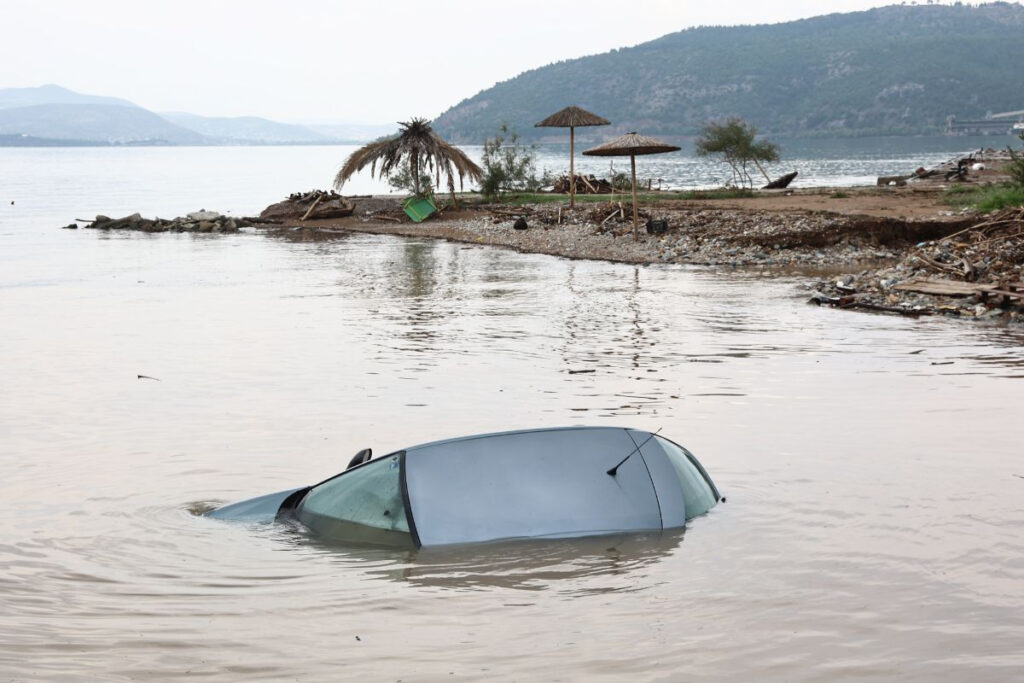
(415, 142)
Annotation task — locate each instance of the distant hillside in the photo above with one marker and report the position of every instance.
(54, 116)
(892, 70)
(98, 123)
(354, 132)
(52, 94)
(246, 129)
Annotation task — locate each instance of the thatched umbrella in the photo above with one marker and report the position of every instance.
(424, 148)
(631, 145)
(570, 118)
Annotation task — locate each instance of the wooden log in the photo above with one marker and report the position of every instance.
(311, 207)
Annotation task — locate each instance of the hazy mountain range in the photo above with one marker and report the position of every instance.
(892, 70)
(52, 115)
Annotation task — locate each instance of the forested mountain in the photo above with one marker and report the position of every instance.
(897, 69)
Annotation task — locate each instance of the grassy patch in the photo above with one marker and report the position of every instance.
(986, 198)
(839, 195)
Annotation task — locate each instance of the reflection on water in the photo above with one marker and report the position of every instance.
(874, 525)
(562, 566)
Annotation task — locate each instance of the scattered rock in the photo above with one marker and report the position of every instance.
(213, 222)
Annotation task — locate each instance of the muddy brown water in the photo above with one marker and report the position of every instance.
(872, 466)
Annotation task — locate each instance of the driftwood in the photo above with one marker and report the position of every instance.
(781, 182)
(311, 207)
(941, 287)
(909, 312)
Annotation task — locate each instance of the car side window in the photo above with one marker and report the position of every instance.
(370, 494)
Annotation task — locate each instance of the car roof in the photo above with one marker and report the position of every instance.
(581, 428)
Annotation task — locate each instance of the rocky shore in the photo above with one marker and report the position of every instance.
(197, 221)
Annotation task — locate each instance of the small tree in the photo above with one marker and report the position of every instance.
(508, 165)
(1016, 166)
(401, 180)
(734, 139)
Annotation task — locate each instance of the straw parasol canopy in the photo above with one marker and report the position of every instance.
(571, 118)
(631, 145)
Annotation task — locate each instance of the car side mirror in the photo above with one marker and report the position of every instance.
(359, 458)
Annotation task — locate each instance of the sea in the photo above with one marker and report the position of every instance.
(872, 465)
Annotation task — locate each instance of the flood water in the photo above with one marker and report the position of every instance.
(873, 470)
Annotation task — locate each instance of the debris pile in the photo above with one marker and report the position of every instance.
(984, 166)
(312, 205)
(197, 221)
(989, 251)
(584, 185)
(975, 272)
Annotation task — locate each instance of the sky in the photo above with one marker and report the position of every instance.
(316, 61)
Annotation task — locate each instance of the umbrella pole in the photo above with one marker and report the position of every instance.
(572, 167)
(632, 170)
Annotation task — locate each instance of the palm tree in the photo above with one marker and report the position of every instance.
(421, 148)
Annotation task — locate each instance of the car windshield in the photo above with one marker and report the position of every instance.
(364, 503)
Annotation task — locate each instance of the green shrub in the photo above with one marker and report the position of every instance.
(508, 165)
(985, 197)
(1000, 197)
(401, 181)
(1016, 166)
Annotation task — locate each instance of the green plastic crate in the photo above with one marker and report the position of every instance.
(418, 208)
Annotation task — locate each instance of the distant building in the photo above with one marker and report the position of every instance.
(1003, 123)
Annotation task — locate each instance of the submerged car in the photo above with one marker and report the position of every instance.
(542, 483)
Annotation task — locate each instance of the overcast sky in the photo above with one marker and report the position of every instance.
(319, 61)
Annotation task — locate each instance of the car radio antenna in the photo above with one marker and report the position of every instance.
(613, 471)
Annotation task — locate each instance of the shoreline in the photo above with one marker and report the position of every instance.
(856, 246)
